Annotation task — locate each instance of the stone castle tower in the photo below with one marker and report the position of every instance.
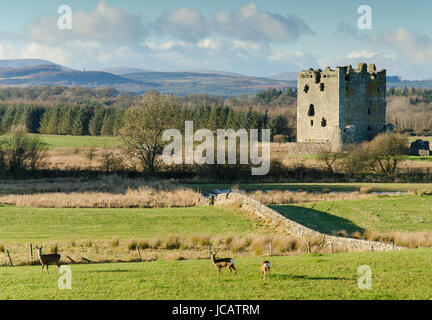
(341, 106)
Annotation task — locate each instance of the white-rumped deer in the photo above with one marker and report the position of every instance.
(47, 259)
(265, 268)
(223, 263)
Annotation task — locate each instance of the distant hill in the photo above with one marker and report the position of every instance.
(214, 84)
(285, 76)
(23, 63)
(124, 70)
(54, 75)
(26, 63)
(34, 72)
(220, 73)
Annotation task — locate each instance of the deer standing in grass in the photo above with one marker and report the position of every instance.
(265, 268)
(223, 263)
(47, 259)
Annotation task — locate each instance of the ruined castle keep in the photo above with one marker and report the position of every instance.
(341, 106)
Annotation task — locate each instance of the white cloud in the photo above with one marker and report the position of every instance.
(209, 43)
(252, 24)
(358, 54)
(183, 23)
(294, 61)
(106, 23)
(412, 46)
(164, 46)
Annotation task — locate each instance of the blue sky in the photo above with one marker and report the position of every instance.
(252, 37)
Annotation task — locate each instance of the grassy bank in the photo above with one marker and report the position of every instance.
(380, 213)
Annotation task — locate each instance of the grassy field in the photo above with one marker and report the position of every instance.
(417, 158)
(381, 213)
(56, 141)
(395, 275)
(348, 187)
(36, 224)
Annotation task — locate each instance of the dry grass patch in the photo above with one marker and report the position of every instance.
(109, 192)
(289, 197)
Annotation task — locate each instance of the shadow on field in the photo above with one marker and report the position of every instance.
(318, 220)
(305, 277)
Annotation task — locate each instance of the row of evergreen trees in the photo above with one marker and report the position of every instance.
(62, 120)
(82, 121)
(88, 119)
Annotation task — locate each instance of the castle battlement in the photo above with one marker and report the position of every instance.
(342, 104)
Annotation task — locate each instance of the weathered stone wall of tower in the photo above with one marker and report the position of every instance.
(317, 105)
(344, 105)
(362, 100)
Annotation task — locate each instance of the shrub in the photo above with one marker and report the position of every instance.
(132, 245)
(155, 243)
(144, 244)
(72, 242)
(203, 240)
(115, 242)
(54, 249)
(366, 190)
(279, 138)
(173, 243)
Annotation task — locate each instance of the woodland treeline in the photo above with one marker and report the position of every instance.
(83, 111)
(99, 112)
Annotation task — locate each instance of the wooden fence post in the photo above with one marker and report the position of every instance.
(332, 248)
(309, 248)
(30, 252)
(271, 247)
(10, 259)
(139, 253)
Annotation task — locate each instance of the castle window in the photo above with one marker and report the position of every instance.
(322, 86)
(369, 128)
(369, 111)
(347, 77)
(306, 88)
(323, 123)
(311, 111)
(311, 123)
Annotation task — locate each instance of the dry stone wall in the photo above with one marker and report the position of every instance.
(293, 228)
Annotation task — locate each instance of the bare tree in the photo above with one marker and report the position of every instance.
(328, 157)
(383, 153)
(144, 125)
(19, 150)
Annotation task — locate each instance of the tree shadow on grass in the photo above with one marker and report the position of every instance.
(318, 220)
(305, 277)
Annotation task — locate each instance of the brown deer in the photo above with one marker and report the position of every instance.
(265, 268)
(46, 259)
(223, 263)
